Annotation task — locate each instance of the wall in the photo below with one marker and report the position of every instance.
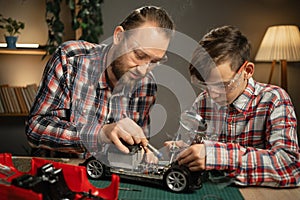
(32, 13)
(193, 18)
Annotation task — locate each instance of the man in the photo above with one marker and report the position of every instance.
(79, 104)
(254, 123)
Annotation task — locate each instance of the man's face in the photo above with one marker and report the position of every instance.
(139, 52)
(225, 85)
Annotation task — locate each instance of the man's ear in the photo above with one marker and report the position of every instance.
(118, 34)
(249, 69)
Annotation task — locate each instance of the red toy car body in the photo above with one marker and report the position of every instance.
(74, 176)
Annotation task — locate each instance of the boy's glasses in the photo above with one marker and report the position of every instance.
(220, 87)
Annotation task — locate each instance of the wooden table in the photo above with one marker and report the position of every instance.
(259, 193)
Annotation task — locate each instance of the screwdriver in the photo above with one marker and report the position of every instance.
(155, 151)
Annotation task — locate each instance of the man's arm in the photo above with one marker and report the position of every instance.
(49, 123)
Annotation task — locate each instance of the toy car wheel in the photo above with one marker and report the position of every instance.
(95, 169)
(176, 180)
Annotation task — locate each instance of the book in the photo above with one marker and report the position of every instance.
(8, 99)
(14, 100)
(21, 99)
(1, 106)
(32, 89)
(25, 96)
(3, 99)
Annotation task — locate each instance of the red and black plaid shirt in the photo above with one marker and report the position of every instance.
(74, 100)
(255, 138)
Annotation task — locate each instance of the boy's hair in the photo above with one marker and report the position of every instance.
(219, 45)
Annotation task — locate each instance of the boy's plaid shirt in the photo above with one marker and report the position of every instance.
(256, 136)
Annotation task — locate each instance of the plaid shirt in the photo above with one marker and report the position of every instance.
(74, 100)
(254, 140)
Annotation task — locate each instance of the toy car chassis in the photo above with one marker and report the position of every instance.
(50, 180)
(174, 177)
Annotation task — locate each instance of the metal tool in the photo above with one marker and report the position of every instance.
(155, 151)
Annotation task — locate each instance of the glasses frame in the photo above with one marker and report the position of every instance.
(220, 87)
(144, 56)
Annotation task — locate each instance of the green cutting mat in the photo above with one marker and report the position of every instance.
(209, 191)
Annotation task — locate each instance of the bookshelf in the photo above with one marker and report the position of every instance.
(5, 51)
(15, 97)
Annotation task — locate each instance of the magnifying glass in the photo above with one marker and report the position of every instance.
(193, 122)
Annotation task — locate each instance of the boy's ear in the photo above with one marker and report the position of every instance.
(249, 69)
(118, 34)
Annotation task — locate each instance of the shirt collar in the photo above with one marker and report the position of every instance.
(242, 103)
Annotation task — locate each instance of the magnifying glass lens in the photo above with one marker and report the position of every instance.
(192, 122)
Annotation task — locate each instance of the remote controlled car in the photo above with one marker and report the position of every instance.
(50, 180)
(132, 166)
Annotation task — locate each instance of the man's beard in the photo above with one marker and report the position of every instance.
(131, 75)
(125, 83)
(116, 67)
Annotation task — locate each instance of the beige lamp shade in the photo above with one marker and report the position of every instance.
(280, 43)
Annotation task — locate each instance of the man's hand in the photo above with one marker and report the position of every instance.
(150, 157)
(125, 129)
(193, 157)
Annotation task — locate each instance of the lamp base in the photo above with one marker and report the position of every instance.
(272, 70)
(284, 74)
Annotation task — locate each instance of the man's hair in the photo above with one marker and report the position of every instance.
(148, 14)
(219, 45)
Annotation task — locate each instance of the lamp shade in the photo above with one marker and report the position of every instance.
(280, 43)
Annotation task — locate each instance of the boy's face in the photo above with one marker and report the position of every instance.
(224, 85)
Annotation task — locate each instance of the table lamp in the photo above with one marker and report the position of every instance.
(280, 43)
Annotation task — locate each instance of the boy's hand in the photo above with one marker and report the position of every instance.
(194, 157)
